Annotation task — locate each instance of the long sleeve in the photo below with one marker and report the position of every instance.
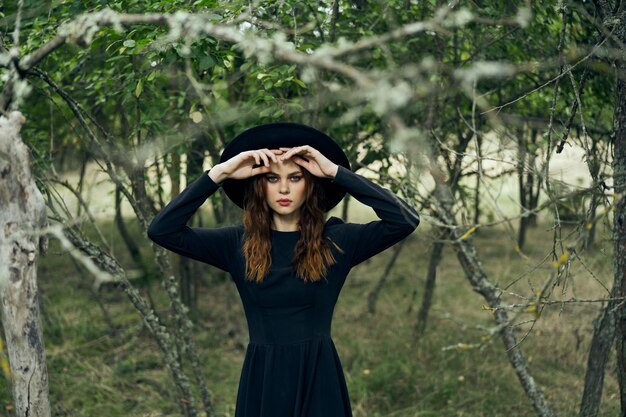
(398, 218)
(169, 227)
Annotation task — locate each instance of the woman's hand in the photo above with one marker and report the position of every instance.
(313, 160)
(243, 165)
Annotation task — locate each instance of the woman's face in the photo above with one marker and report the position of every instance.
(285, 182)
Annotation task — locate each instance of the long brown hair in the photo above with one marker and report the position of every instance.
(312, 254)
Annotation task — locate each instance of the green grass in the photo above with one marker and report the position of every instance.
(389, 374)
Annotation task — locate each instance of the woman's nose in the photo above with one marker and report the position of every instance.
(284, 186)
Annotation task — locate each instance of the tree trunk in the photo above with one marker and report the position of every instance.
(22, 211)
(591, 224)
(128, 239)
(188, 279)
(189, 269)
(478, 179)
(523, 188)
(532, 180)
(614, 20)
(619, 221)
(603, 334)
(373, 295)
(610, 326)
(429, 287)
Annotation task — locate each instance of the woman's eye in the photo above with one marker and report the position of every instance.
(271, 179)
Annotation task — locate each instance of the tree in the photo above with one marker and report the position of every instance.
(22, 215)
(395, 82)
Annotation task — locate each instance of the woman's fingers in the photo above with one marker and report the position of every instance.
(265, 155)
(296, 150)
(256, 158)
(300, 158)
(282, 153)
(262, 156)
(271, 155)
(288, 153)
(266, 161)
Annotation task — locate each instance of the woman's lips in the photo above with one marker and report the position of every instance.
(284, 202)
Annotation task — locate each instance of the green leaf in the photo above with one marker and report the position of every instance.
(139, 88)
(265, 112)
(299, 82)
(206, 62)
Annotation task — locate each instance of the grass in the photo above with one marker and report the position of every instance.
(93, 373)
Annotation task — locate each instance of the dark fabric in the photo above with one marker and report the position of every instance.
(291, 367)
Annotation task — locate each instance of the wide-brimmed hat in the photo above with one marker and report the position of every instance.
(275, 135)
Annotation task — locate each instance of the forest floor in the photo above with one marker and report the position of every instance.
(94, 371)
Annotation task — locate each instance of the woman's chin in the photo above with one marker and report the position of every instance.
(283, 210)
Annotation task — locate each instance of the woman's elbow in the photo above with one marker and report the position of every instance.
(153, 232)
(416, 220)
(412, 220)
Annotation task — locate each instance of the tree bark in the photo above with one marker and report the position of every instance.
(619, 220)
(612, 322)
(596, 197)
(615, 20)
(533, 180)
(529, 184)
(373, 295)
(128, 239)
(523, 188)
(22, 212)
(478, 179)
(603, 334)
(429, 288)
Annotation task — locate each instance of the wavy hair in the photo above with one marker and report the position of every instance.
(312, 254)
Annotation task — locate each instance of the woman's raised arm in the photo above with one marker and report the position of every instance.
(169, 227)
(212, 246)
(398, 218)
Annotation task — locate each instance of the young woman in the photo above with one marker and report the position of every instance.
(287, 262)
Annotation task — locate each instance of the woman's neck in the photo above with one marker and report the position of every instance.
(283, 226)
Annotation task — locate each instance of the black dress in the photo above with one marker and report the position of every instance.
(291, 367)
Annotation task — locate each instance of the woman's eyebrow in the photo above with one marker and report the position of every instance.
(291, 173)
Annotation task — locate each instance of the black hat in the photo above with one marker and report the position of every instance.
(275, 135)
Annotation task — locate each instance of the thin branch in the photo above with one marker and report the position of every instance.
(80, 113)
(18, 23)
